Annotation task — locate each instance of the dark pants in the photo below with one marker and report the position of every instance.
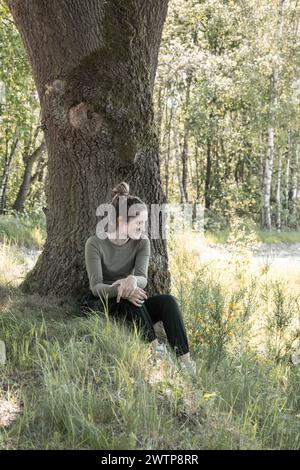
(160, 307)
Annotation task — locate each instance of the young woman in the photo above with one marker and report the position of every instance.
(117, 267)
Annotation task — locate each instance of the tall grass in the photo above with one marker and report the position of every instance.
(242, 321)
(91, 383)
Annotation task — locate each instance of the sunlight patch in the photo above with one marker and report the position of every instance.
(9, 410)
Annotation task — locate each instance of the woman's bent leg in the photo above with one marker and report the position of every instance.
(165, 308)
(133, 314)
(160, 307)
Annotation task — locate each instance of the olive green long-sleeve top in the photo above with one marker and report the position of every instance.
(107, 262)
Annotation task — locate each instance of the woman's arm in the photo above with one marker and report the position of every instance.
(94, 270)
(142, 263)
(140, 272)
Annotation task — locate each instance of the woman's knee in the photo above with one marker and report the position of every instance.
(167, 305)
(129, 307)
(168, 298)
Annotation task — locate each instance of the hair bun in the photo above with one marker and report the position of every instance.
(121, 189)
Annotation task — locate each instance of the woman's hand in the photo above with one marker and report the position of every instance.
(126, 287)
(138, 297)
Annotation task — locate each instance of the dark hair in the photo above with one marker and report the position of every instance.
(122, 198)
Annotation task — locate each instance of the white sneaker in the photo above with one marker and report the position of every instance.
(190, 368)
(295, 358)
(162, 351)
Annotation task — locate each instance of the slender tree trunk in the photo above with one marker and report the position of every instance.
(94, 65)
(6, 173)
(197, 182)
(262, 174)
(287, 180)
(239, 171)
(39, 173)
(207, 195)
(177, 157)
(37, 194)
(168, 153)
(29, 161)
(278, 194)
(160, 112)
(190, 167)
(268, 170)
(294, 188)
(197, 165)
(185, 150)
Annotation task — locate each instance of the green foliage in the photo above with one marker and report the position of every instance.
(229, 49)
(23, 229)
(19, 115)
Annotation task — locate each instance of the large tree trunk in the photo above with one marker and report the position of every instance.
(94, 65)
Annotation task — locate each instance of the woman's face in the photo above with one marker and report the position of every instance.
(137, 225)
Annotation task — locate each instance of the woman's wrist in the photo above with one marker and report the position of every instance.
(133, 279)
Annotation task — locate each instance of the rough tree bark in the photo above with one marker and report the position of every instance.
(94, 65)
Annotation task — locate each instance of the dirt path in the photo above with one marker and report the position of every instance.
(285, 255)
